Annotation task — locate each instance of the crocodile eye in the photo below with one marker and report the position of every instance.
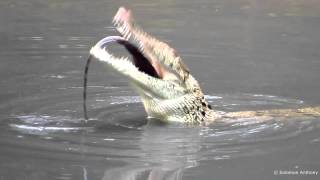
(203, 113)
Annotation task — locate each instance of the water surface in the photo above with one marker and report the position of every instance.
(247, 55)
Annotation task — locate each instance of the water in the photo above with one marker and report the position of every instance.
(248, 54)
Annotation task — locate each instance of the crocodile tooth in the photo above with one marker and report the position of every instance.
(125, 36)
(125, 27)
(128, 35)
(125, 33)
(141, 47)
(117, 23)
(114, 21)
(120, 29)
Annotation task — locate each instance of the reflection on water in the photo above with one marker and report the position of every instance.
(117, 133)
(249, 54)
(164, 154)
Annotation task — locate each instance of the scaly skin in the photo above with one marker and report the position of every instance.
(175, 95)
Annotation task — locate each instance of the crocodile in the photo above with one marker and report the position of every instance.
(167, 89)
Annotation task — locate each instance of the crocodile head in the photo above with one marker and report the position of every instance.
(167, 89)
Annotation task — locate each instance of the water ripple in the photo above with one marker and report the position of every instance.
(118, 130)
